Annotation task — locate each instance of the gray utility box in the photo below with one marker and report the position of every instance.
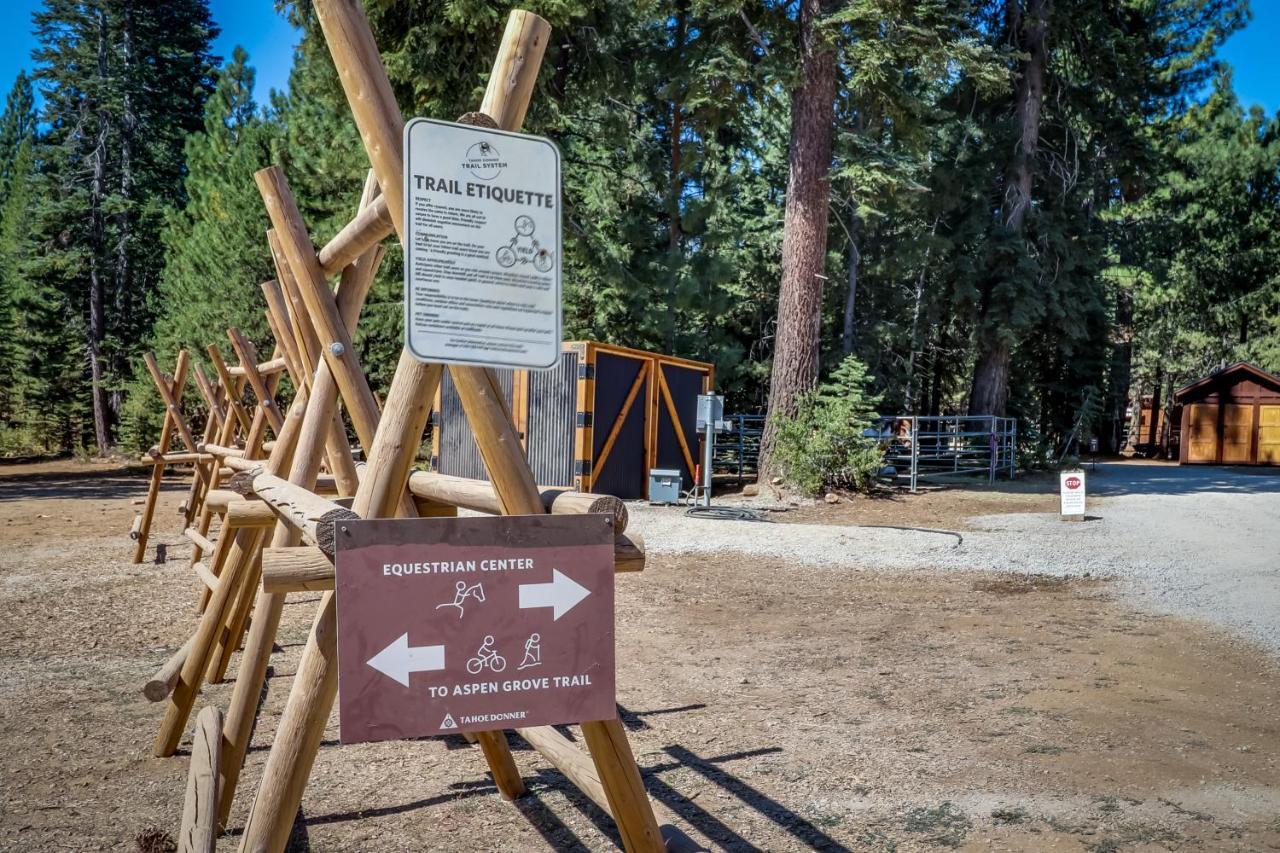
(664, 486)
(710, 411)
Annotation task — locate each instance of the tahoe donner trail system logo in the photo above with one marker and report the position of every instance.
(483, 161)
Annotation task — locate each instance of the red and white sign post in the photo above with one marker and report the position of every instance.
(448, 625)
(1072, 490)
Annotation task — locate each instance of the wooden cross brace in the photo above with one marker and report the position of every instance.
(170, 391)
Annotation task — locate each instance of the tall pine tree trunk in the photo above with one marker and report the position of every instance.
(675, 191)
(124, 304)
(851, 295)
(990, 390)
(804, 236)
(97, 189)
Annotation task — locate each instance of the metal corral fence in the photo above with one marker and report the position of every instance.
(738, 450)
(936, 448)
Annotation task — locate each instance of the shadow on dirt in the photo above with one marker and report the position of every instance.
(561, 837)
(89, 485)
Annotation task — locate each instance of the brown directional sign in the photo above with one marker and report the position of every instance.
(448, 625)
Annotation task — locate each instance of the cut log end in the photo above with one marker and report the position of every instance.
(241, 483)
(327, 528)
(477, 119)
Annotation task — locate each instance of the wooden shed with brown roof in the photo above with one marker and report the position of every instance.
(1231, 417)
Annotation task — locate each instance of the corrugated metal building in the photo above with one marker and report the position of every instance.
(596, 422)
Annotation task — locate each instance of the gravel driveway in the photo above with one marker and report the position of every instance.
(1190, 541)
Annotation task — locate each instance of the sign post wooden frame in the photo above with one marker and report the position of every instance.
(608, 774)
(313, 327)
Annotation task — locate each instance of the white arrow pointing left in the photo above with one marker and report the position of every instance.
(399, 659)
(560, 595)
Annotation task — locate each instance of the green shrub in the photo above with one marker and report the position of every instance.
(824, 446)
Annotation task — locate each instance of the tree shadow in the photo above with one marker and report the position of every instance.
(1157, 478)
(87, 485)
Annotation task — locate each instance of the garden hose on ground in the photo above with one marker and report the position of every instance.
(725, 513)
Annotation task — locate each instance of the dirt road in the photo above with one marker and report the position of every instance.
(774, 703)
(1187, 540)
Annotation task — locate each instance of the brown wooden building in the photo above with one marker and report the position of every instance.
(1231, 417)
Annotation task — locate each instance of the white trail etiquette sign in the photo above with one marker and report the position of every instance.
(482, 256)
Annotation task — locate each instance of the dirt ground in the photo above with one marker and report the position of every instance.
(770, 706)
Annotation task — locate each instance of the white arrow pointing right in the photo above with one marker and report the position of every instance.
(560, 595)
(399, 659)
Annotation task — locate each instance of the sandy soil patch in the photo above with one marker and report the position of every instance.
(772, 705)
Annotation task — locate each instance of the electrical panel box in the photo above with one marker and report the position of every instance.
(664, 486)
(710, 411)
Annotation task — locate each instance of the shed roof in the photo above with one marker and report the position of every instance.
(1241, 367)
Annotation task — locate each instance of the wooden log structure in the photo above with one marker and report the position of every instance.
(371, 226)
(390, 452)
(274, 365)
(306, 512)
(198, 539)
(239, 560)
(231, 386)
(250, 512)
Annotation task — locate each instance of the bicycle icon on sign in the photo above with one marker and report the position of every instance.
(486, 656)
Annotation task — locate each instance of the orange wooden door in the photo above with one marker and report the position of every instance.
(1237, 433)
(1202, 443)
(1269, 435)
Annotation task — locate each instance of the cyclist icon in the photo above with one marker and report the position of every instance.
(486, 656)
(461, 593)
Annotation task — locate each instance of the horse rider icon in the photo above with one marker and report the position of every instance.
(461, 593)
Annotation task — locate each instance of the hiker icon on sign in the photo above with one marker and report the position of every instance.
(532, 651)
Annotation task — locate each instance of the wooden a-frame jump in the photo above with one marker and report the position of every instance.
(313, 326)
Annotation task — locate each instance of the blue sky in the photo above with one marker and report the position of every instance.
(252, 24)
(255, 25)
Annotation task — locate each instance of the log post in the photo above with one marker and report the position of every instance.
(157, 473)
(352, 291)
(480, 496)
(161, 684)
(310, 569)
(231, 385)
(225, 435)
(371, 226)
(249, 363)
(199, 830)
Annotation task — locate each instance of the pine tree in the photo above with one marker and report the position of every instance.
(17, 162)
(804, 240)
(123, 83)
